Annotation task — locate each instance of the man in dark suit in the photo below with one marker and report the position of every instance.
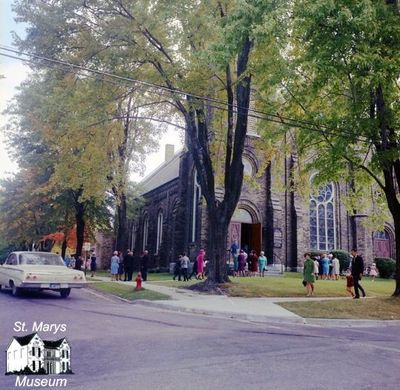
(128, 266)
(357, 270)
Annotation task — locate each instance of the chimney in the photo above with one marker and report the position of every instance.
(169, 152)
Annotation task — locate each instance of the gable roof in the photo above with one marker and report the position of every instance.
(167, 171)
(53, 344)
(25, 340)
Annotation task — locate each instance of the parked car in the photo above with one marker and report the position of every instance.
(39, 271)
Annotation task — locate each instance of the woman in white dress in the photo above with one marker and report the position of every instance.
(335, 268)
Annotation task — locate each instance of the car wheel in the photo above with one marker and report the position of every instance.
(15, 291)
(64, 292)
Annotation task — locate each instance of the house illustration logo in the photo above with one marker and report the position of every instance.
(30, 355)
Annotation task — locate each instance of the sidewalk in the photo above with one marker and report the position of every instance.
(250, 309)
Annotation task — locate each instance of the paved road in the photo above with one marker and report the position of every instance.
(116, 345)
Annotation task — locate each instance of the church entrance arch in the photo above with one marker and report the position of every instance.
(245, 228)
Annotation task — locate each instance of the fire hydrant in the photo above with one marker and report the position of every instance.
(138, 281)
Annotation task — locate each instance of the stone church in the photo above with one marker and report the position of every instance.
(268, 217)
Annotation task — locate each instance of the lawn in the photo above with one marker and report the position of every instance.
(380, 308)
(127, 292)
(288, 285)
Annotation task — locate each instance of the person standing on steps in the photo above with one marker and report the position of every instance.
(357, 270)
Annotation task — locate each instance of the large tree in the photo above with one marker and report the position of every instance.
(342, 81)
(203, 48)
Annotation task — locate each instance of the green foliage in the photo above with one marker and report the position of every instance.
(386, 266)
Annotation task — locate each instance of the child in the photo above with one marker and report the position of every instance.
(373, 271)
(138, 281)
(349, 283)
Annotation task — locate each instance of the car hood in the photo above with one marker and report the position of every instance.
(49, 270)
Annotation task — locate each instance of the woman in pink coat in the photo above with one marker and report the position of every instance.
(200, 264)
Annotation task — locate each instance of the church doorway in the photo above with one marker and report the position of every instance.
(251, 237)
(382, 244)
(245, 230)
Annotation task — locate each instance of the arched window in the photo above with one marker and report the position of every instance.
(249, 166)
(160, 220)
(145, 231)
(322, 219)
(196, 198)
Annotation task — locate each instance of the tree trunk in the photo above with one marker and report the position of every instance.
(122, 234)
(80, 227)
(396, 219)
(216, 249)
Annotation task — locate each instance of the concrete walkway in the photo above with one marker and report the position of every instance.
(250, 309)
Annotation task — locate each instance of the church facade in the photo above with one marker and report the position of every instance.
(268, 216)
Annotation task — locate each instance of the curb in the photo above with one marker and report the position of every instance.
(343, 323)
(214, 313)
(340, 323)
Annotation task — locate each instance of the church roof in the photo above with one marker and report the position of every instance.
(167, 171)
(53, 344)
(25, 340)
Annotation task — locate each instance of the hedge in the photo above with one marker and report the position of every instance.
(386, 266)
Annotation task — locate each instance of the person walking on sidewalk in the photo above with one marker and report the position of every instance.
(178, 268)
(308, 274)
(200, 264)
(194, 270)
(184, 266)
(357, 270)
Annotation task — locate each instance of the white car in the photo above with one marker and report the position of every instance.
(39, 271)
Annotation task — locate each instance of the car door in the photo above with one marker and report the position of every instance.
(7, 270)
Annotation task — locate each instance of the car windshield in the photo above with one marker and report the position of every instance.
(41, 259)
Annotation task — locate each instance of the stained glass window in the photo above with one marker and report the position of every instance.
(322, 219)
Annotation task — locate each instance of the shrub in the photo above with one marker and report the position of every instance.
(343, 257)
(386, 266)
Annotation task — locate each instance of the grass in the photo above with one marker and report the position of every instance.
(380, 308)
(127, 292)
(289, 285)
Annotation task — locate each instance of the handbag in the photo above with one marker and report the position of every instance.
(304, 283)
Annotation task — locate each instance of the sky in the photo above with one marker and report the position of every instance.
(14, 72)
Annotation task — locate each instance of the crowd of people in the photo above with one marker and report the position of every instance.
(245, 264)
(122, 266)
(327, 267)
(79, 263)
(182, 266)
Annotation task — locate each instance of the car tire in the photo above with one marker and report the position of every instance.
(15, 291)
(64, 292)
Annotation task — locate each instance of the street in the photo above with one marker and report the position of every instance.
(117, 345)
